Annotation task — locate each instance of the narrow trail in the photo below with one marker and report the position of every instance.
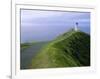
(28, 53)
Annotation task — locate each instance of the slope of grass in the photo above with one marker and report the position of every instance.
(71, 49)
(25, 45)
(29, 51)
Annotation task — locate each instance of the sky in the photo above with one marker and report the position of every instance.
(42, 25)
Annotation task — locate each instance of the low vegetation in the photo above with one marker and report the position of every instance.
(71, 49)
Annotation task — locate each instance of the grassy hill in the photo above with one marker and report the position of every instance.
(28, 51)
(71, 49)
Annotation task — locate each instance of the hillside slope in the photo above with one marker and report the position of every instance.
(71, 49)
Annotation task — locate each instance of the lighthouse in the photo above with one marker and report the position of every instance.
(76, 26)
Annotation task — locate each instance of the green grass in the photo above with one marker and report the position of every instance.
(71, 49)
(28, 51)
(25, 45)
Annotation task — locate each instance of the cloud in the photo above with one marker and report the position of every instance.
(45, 25)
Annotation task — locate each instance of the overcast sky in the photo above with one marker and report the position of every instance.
(39, 25)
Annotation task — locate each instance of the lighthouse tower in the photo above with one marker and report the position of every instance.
(76, 26)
